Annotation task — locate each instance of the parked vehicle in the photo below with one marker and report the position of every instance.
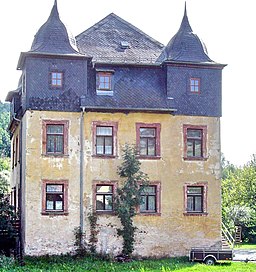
(210, 256)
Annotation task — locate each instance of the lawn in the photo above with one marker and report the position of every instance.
(245, 246)
(59, 264)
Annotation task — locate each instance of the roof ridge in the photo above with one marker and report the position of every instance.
(113, 15)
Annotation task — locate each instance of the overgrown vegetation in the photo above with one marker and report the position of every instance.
(5, 146)
(84, 248)
(128, 196)
(239, 198)
(68, 263)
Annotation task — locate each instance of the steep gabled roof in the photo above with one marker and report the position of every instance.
(115, 40)
(52, 37)
(185, 46)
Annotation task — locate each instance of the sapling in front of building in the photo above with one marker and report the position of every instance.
(74, 110)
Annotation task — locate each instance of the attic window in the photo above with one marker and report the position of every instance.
(104, 83)
(124, 45)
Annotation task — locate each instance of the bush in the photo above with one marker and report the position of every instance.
(6, 262)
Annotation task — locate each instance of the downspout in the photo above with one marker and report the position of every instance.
(20, 200)
(82, 169)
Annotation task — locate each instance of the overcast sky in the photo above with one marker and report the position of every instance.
(227, 27)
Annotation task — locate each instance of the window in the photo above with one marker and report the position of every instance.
(104, 82)
(104, 197)
(56, 79)
(194, 142)
(54, 199)
(195, 198)
(55, 137)
(148, 140)
(195, 85)
(105, 138)
(150, 198)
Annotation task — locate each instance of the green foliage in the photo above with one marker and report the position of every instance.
(6, 262)
(128, 196)
(67, 264)
(92, 216)
(5, 146)
(4, 164)
(7, 212)
(239, 197)
(80, 244)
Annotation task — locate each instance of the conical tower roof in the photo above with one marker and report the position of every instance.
(185, 46)
(52, 37)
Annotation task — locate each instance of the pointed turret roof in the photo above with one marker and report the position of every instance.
(52, 37)
(185, 46)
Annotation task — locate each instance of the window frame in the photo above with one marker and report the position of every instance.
(193, 86)
(56, 86)
(65, 124)
(114, 126)
(157, 127)
(104, 90)
(64, 183)
(157, 185)
(202, 128)
(94, 190)
(204, 187)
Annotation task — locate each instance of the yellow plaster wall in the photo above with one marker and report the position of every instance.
(169, 234)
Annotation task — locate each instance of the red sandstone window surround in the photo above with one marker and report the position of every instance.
(103, 196)
(148, 140)
(195, 198)
(55, 137)
(55, 197)
(195, 142)
(104, 139)
(151, 199)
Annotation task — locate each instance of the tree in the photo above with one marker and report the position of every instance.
(5, 146)
(128, 196)
(239, 197)
(7, 212)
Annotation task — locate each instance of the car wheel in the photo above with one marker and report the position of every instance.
(209, 261)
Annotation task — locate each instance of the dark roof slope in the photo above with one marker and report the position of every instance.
(114, 40)
(185, 46)
(52, 37)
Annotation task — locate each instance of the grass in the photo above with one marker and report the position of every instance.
(245, 246)
(67, 263)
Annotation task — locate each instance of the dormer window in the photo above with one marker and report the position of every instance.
(104, 83)
(195, 85)
(56, 79)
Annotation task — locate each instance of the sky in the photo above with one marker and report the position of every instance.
(227, 27)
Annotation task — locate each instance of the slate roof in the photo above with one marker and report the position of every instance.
(134, 89)
(52, 37)
(103, 41)
(185, 46)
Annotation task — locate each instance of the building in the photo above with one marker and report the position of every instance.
(74, 109)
